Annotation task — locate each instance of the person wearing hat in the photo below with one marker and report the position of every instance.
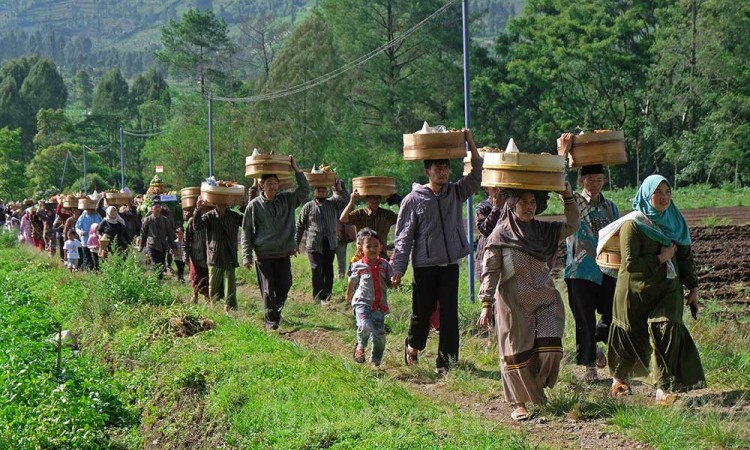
(591, 289)
(157, 233)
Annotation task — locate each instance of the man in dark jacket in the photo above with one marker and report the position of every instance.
(158, 235)
(222, 226)
(430, 230)
(268, 230)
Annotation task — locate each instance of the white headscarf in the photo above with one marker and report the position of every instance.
(113, 217)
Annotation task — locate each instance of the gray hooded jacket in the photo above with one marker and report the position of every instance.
(430, 227)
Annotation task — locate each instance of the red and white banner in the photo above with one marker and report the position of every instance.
(159, 169)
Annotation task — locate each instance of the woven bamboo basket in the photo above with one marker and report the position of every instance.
(543, 172)
(86, 203)
(258, 165)
(103, 245)
(610, 256)
(325, 179)
(467, 162)
(117, 198)
(607, 148)
(424, 146)
(233, 195)
(524, 162)
(70, 201)
(535, 181)
(188, 197)
(378, 186)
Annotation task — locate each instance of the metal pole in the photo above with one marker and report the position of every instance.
(122, 162)
(210, 140)
(65, 168)
(467, 124)
(85, 168)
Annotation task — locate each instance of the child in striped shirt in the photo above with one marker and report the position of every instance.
(179, 254)
(367, 294)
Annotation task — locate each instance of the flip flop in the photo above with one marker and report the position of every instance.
(620, 389)
(409, 358)
(359, 354)
(519, 414)
(601, 358)
(666, 398)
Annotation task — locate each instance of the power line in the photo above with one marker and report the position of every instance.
(142, 133)
(341, 70)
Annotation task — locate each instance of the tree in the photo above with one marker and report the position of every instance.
(44, 87)
(53, 127)
(413, 80)
(261, 37)
(111, 95)
(197, 44)
(83, 88)
(46, 167)
(12, 179)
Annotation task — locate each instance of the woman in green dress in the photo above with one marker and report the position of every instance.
(647, 332)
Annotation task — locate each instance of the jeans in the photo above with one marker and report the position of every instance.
(370, 323)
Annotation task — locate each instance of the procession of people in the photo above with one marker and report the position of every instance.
(639, 301)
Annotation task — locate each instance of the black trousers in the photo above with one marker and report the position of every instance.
(586, 299)
(89, 257)
(321, 264)
(158, 259)
(61, 246)
(274, 281)
(180, 269)
(431, 284)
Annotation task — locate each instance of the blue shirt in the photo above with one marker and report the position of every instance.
(580, 263)
(84, 223)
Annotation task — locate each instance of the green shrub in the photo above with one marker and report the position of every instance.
(124, 281)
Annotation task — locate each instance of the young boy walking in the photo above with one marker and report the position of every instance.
(72, 246)
(367, 293)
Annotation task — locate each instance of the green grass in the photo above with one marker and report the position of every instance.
(237, 385)
(696, 196)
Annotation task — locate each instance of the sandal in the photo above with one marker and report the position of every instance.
(601, 358)
(519, 414)
(620, 389)
(409, 357)
(359, 354)
(590, 375)
(666, 398)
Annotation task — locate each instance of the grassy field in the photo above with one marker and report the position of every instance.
(138, 382)
(696, 196)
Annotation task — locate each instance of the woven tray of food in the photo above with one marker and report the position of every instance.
(378, 186)
(226, 192)
(600, 147)
(258, 164)
(117, 198)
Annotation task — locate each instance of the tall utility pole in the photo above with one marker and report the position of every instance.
(210, 140)
(122, 161)
(85, 169)
(467, 124)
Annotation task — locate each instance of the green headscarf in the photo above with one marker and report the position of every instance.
(669, 225)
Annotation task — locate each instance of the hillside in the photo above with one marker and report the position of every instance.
(104, 33)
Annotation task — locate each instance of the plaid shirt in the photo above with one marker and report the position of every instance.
(380, 220)
(320, 220)
(221, 236)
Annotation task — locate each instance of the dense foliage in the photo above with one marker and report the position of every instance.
(673, 74)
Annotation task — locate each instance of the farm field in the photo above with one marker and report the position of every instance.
(171, 374)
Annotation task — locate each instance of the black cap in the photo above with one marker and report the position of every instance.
(156, 200)
(594, 169)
